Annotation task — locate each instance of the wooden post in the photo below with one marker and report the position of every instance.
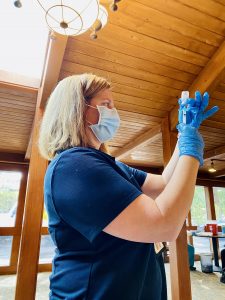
(210, 205)
(179, 265)
(31, 231)
(190, 237)
(19, 218)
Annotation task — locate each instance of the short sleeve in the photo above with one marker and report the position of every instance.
(88, 193)
(139, 175)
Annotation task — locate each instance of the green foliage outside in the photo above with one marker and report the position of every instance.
(219, 198)
(198, 208)
(8, 198)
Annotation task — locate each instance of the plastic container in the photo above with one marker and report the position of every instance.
(223, 229)
(212, 226)
(206, 262)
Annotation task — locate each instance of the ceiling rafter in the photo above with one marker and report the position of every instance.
(54, 58)
(214, 152)
(140, 141)
(219, 173)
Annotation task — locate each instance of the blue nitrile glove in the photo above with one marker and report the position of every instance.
(194, 109)
(190, 142)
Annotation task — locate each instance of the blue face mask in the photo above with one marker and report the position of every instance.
(108, 123)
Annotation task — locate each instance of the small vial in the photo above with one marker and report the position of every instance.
(184, 96)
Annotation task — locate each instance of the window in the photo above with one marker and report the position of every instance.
(24, 37)
(47, 249)
(198, 208)
(9, 190)
(219, 199)
(5, 250)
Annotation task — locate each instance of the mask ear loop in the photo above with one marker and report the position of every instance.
(92, 107)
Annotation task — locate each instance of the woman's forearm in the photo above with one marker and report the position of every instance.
(176, 199)
(169, 169)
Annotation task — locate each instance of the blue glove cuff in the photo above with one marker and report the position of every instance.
(190, 142)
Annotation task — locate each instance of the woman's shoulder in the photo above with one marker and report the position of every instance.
(82, 156)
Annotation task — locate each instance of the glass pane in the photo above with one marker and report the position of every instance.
(5, 250)
(45, 219)
(219, 199)
(9, 190)
(47, 250)
(201, 244)
(198, 208)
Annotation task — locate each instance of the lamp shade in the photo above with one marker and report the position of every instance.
(70, 17)
(102, 15)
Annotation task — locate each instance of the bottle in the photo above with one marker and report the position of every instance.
(184, 97)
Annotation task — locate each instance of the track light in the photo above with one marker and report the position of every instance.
(212, 168)
(17, 3)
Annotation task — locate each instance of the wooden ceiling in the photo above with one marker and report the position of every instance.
(150, 51)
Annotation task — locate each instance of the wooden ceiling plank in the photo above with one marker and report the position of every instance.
(97, 63)
(210, 7)
(18, 88)
(177, 23)
(133, 50)
(125, 59)
(170, 29)
(214, 152)
(188, 14)
(149, 43)
(70, 68)
(138, 142)
(205, 79)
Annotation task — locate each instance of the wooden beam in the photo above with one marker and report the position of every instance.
(179, 265)
(19, 80)
(31, 232)
(11, 158)
(214, 152)
(140, 141)
(210, 182)
(13, 167)
(210, 206)
(219, 173)
(18, 88)
(54, 59)
(28, 152)
(205, 80)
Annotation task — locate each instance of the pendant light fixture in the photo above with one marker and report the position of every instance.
(212, 168)
(74, 17)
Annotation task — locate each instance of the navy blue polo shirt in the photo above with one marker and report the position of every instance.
(84, 190)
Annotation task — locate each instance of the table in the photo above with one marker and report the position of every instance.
(216, 267)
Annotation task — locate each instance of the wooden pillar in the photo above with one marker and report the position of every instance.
(19, 218)
(210, 205)
(190, 237)
(179, 264)
(211, 212)
(31, 230)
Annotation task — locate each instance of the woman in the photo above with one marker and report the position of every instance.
(103, 215)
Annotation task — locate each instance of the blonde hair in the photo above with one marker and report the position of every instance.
(63, 124)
